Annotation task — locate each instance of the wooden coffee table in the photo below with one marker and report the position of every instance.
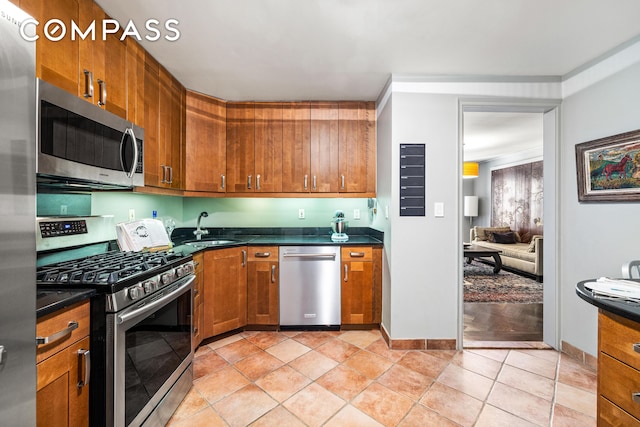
(472, 251)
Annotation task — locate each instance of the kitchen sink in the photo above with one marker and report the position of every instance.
(211, 243)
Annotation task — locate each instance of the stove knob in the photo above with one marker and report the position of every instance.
(148, 286)
(179, 271)
(134, 293)
(166, 278)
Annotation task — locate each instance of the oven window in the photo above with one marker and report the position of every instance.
(155, 348)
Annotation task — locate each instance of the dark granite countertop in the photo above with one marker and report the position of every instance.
(50, 300)
(627, 309)
(273, 236)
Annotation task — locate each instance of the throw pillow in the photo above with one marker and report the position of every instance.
(484, 233)
(507, 238)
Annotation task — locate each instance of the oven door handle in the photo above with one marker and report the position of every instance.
(146, 308)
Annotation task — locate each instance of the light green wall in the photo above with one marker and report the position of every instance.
(259, 212)
(119, 203)
(50, 204)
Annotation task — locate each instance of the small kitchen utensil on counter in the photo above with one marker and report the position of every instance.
(339, 227)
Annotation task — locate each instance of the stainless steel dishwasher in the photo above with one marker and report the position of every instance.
(310, 286)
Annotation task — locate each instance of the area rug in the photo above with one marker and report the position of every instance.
(481, 284)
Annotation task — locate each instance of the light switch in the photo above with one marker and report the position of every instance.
(356, 214)
(438, 209)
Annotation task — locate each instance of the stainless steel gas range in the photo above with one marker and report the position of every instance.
(141, 322)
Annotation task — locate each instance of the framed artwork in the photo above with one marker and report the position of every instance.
(608, 169)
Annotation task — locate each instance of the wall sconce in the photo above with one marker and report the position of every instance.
(471, 208)
(470, 170)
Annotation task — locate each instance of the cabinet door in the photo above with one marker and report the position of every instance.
(165, 106)
(357, 286)
(353, 147)
(268, 147)
(225, 295)
(206, 143)
(56, 62)
(114, 86)
(135, 83)
(175, 143)
(263, 286)
(324, 147)
(61, 397)
(154, 167)
(296, 147)
(240, 147)
(198, 298)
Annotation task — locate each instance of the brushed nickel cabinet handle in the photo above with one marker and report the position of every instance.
(249, 182)
(164, 174)
(170, 175)
(244, 257)
(314, 182)
(346, 272)
(343, 182)
(263, 254)
(102, 99)
(71, 326)
(224, 179)
(84, 367)
(635, 397)
(88, 84)
(636, 347)
(257, 182)
(273, 273)
(356, 254)
(306, 181)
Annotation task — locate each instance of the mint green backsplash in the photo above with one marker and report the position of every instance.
(259, 212)
(50, 204)
(118, 204)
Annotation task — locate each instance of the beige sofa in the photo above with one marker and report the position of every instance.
(523, 257)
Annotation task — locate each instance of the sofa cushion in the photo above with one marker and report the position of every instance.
(482, 233)
(516, 250)
(507, 238)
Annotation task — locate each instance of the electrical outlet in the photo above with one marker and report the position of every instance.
(63, 209)
(300, 213)
(356, 214)
(132, 214)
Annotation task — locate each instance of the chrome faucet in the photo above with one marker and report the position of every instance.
(200, 231)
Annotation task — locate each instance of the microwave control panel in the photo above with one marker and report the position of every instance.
(63, 228)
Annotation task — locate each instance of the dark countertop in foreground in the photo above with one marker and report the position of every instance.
(627, 309)
(49, 301)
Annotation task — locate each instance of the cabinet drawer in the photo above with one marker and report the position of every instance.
(357, 253)
(617, 336)
(618, 382)
(611, 415)
(263, 253)
(62, 320)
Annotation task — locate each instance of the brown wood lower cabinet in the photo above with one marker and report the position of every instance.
(62, 397)
(361, 280)
(198, 299)
(263, 286)
(618, 371)
(225, 290)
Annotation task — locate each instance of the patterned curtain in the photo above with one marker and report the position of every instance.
(517, 199)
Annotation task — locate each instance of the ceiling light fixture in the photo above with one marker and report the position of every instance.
(470, 170)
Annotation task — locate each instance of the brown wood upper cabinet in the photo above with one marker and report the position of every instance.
(206, 143)
(296, 147)
(268, 147)
(135, 83)
(324, 147)
(356, 130)
(164, 100)
(240, 147)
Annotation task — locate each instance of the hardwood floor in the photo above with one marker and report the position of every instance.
(502, 322)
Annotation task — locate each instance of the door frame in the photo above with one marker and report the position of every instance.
(550, 109)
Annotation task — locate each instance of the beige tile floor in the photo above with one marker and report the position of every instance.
(352, 379)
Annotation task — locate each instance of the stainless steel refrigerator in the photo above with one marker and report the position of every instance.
(17, 221)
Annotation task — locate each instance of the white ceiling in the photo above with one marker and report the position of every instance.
(488, 135)
(276, 50)
(347, 49)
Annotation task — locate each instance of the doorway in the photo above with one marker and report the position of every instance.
(501, 136)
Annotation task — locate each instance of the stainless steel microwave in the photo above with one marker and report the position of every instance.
(83, 146)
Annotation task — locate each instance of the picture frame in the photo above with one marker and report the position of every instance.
(608, 169)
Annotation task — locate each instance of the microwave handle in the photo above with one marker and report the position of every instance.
(129, 131)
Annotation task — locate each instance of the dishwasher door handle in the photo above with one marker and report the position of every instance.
(311, 256)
